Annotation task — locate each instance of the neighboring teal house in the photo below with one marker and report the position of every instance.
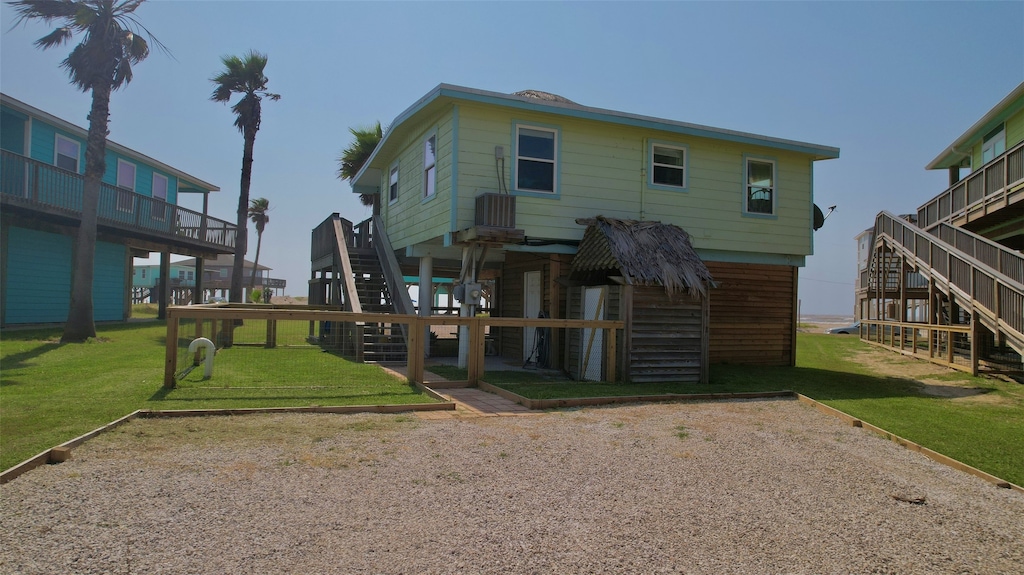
(958, 261)
(215, 281)
(43, 159)
(477, 185)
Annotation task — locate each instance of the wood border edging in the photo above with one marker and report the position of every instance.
(49, 455)
(930, 454)
(591, 401)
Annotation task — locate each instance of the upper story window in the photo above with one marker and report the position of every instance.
(126, 186)
(668, 166)
(142, 271)
(393, 185)
(536, 159)
(429, 166)
(66, 153)
(994, 144)
(159, 210)
(760, 188)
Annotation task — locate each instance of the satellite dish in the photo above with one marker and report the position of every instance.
(819, 218)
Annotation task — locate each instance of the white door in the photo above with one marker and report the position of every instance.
(531, 307)
(592, 344)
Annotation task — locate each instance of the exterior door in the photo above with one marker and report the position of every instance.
(531, 307)
(592, 343)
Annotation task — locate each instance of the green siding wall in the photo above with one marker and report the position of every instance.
(1015, 129)
(413, 219)
(603, 171)
(37, 282)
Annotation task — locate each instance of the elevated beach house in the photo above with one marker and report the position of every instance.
(947, 282)
(493, 188)
(43, 159)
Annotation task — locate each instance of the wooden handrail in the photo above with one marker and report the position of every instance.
(392, 271)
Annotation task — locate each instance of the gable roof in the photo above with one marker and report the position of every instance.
(645, 253)
(532, 101)
(186, 182)
(955, 154)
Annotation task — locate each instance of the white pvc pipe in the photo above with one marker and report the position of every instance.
(210, 351)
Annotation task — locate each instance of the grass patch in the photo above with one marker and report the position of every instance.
(52, 392)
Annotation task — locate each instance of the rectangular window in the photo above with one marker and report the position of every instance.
(536, 157)
(181, 274)
(126, 186)
(994, 144)
(159, 211)
(393, 185)
(143, 273)
(668, 166)
(760, 187)
(429, 166)
(66, 156)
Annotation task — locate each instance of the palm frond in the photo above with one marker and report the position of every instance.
(55, 38)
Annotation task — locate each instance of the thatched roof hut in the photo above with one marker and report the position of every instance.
(644, 253)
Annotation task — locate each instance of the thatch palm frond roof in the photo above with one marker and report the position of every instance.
(645, 253)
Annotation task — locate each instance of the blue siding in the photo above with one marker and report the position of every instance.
(108, 282)
(12, 131)
(38, 277)
(38, 280)
(44, 139)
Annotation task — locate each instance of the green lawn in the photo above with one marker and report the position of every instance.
(50, 393)
(985, 431)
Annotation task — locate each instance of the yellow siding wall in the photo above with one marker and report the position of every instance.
(603, 172)
(413, 219)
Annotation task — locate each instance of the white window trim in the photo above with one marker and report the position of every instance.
(78, 151)
(553, 161)
(774, 187)
(684, 168)
(117, 180)
(396, 173)
(989, 145)
(427, 173)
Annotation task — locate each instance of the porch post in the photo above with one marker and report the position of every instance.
(197, 292)
(165, 284)
(426, 297)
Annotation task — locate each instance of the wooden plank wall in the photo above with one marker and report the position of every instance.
(667, 336)
(753, 314)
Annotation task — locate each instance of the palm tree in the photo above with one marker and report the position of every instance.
(258, 209)
(101, 63)
(243, 76)
(355, 155)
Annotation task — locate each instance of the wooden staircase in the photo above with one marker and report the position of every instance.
(382, 342)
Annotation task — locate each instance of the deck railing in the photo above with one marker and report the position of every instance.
(34, 185)
(989, 188)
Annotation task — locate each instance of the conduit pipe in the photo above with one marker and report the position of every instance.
(211, 350)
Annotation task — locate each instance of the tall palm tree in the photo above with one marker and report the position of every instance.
(243, 76)
(102, 62)
(355, 155)
(258, 209)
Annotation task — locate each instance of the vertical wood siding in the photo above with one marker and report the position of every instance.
(667, 336)
(753, 315)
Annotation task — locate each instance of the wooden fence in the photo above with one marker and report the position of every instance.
(416, 328)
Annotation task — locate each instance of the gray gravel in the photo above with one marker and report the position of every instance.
(734, 487)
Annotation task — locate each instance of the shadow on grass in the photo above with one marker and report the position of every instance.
(18, 360)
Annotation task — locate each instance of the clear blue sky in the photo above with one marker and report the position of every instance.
(890, 84)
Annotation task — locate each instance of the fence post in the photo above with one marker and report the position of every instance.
(476, 351)
(609, 336)
(414, 358)
(171, 353)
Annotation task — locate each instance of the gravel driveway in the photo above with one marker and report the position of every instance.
(729, 487)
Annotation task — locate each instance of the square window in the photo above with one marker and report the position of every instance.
(536, 158)
(668, 166)
(393, 185)
(66, 156)
(760, 187)
(429, 166)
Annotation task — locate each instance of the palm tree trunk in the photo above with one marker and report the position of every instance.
(256, 262)
(238, 267)
(81, 325)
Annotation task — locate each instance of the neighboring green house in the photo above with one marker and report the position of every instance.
(43, 159)
(957, 262)
(467, 175)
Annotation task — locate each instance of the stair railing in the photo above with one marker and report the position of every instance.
(999, 297)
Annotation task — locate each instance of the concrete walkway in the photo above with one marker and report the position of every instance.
(469, 401)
